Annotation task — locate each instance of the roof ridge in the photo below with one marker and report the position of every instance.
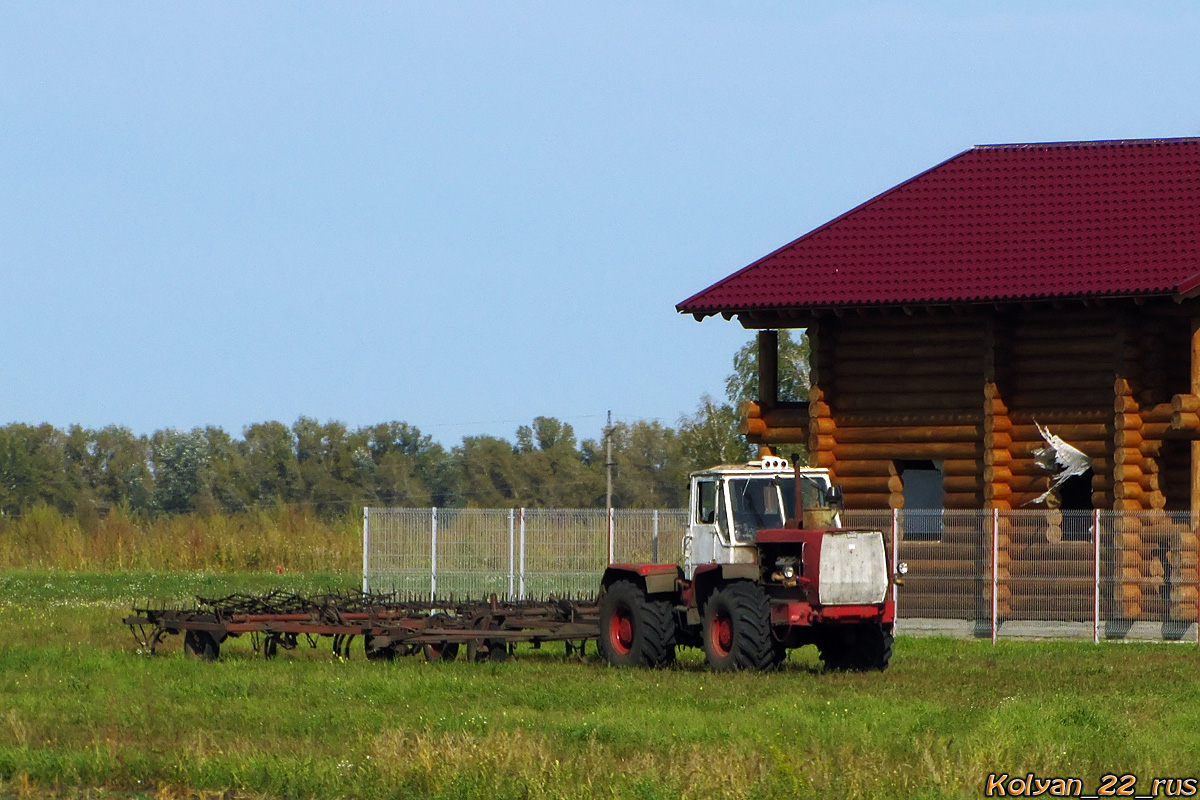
(1089, 143)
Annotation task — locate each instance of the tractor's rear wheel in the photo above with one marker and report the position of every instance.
(635, 629)
(737, 628)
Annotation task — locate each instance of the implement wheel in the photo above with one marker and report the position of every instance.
(737, 629)
(441, 651)
(636, 630)
(487, 650)
(385, 653)
(201, 644)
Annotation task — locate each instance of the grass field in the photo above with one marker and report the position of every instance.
(83, 715)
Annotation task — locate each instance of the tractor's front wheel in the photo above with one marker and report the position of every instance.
(737, 629)
(636, 630)
(858, 647)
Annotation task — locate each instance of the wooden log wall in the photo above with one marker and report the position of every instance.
(894, 389)
(965, 389)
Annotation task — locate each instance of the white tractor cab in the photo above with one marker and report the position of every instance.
(766, 568)
(731, 503)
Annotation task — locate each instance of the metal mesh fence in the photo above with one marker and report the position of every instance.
(397, 549)
(509, 552)
(1018, 573)
(564, 551)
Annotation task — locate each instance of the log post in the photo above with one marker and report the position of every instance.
(821, 427)
(768, 368)
(1128, 425)
(1195, 390)
(997, 427)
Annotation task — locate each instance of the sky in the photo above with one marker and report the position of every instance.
(463, 215)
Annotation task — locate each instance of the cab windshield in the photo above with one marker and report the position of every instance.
(759, 503)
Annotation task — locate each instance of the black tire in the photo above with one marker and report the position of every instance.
(201, 644)
(833, 651)
(858, 647)
(873, 647)
(270, 646)
(636, 630)
(737, 628)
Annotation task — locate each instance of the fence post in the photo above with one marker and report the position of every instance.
(511, 540)
(521, 595)
(366, 549)
(1096, 576)
(995, 571)
(433, 553)
(895, 565)
(654, 539)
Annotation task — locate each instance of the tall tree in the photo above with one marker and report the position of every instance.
(34, 468)
(486, 472)
(180, 462)
(650, 468)
(272, 472)
(409, 468)
(552, 472)
(121, 468)
(710, 435)
(328, 470)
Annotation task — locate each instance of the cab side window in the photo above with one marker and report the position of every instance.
(706, 502)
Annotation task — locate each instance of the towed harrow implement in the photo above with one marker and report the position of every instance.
(389, 626)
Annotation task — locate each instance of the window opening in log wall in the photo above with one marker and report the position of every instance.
(1174, 466)
(924, 499)
(1076, 496)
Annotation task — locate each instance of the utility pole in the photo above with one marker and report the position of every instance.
(608, 466)
(608, 462)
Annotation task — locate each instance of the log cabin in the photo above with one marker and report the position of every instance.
(1011, 286)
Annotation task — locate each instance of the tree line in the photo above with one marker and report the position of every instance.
(336, 470)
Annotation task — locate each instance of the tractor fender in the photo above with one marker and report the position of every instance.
(653, 578)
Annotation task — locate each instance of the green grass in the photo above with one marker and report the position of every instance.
(82, 714)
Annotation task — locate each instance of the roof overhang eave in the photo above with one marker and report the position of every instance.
(1187, 290)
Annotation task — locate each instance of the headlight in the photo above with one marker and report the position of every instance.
(902, 568)
(786, 568)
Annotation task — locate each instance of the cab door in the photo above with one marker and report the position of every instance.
(700, 542)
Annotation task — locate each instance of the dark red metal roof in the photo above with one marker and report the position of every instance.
(997, 222)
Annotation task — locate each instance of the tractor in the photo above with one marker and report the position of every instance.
(766, 567)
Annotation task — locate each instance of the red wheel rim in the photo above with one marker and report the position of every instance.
(620, 630)
(722, 633)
